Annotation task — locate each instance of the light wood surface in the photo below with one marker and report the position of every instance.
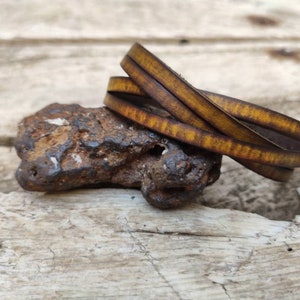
(239, 240)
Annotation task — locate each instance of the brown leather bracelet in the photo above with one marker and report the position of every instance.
(128, 88)
(263, 140)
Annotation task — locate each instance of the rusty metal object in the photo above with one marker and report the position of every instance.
(64, 147)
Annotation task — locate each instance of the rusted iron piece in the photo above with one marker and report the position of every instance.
(64, 147)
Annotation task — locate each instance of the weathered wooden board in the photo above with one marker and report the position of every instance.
(109, 243)
(114, 244)
(32, 77)
(119, 20)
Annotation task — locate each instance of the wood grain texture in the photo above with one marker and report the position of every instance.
(169, 20)
(8, 166)
(105, 243)
(110, 243)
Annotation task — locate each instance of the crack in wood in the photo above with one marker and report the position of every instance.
(7, 141)
(226, 291)
(22, 41)
(150, 258)
(179, 233)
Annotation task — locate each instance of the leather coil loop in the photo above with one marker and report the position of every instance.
(156, 97)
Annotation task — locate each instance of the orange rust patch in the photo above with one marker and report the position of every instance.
(58, 137)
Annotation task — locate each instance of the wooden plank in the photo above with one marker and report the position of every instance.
(92, 243)
(66, 74)
(8, 166)
(242, 189)
(169, 20)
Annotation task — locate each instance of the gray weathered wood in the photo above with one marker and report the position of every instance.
(119, 20)
(113, 244)
(8, 165)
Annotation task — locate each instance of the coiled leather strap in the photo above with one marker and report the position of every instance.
(156, 97)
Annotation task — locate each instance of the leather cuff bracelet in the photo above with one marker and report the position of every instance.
(156, 97)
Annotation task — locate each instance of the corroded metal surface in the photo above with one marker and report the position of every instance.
(64, 147)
